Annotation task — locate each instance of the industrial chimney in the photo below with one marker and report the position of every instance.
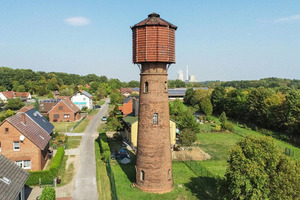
(154, 51)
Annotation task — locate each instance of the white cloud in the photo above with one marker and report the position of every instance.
(288, 19)
(77, 21)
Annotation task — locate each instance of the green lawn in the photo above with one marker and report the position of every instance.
(73, 144)
(101, 102)
(103, 184)
(81, 127)
(94, 112)
(65, 174)
(63, 126)
(193, 187)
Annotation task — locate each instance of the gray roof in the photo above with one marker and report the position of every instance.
(16, 176)
(126, 99)
(30, 130)
(40, 120)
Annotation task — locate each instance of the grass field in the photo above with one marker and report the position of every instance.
(193, 187)
(81, 127)
(103, 185)
(73, 144)
(101, 102)
(63, 126)
(94, 112)
(65, 174)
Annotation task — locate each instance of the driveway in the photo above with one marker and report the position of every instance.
(85, 182)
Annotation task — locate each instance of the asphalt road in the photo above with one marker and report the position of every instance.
(85, 182)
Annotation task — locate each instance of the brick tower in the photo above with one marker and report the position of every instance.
(154, 51)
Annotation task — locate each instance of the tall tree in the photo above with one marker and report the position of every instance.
(217, 97)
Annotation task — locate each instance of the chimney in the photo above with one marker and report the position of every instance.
(23, 117)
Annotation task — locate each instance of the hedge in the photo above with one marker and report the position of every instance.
(47, 176)
(48, 193)
(104, 147)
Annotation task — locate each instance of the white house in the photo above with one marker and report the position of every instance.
(82, 99)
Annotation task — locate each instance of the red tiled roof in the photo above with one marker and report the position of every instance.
(30, 130)
(46, 106)
(63, 97)
(21, 94)
(125, 90)
(71, 105)
(9, 94)
(24, 109)
(12, 94)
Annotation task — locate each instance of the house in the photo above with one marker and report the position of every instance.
(55, 93)
(24, 139)
(131, 130)
(12, 180)
(127, 105)
(64, 111)
(4, 96)
(128, 91)
(47, 105)
(82, 99)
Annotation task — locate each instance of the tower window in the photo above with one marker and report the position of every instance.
(169, 175)
(166, 86)
(6, 130)
(142, 176)
(146, 87)
(155, 118)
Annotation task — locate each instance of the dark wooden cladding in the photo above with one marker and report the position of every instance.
(153, 43)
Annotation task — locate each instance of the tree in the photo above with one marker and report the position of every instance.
(14, 104)
(223, 118)
(2, 89)
(188, 96)
(198, 95)
(21, 88)
(187, 136)
(48, 193)
(7, 114)
(116, 97)
(217, 97)
(37, 105)
(258, 170)
(134, 84)
(50, 95)
(206, 106)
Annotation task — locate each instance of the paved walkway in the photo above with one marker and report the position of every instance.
(85, 182)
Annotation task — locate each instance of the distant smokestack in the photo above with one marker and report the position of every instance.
(23, 118)
(187, 72)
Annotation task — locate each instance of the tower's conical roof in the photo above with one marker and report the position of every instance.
(154, 19)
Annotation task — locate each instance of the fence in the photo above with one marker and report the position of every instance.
(77, 124)
(198, 169)
(111, 176)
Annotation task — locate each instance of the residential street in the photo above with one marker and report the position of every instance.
(85, 182)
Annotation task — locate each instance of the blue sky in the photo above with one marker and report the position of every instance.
(218, 40)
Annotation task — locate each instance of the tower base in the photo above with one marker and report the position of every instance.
(156, 191)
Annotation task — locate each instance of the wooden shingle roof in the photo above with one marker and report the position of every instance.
(12, 178)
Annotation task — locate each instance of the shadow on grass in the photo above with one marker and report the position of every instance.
(203, 187)
(129, 169)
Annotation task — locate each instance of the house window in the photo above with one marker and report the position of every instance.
(60, 108)
(169, 175)
(146, 87)
(142, 176)
(17, 146)
(83, 99)
(6, 130)
(166, 86)
(66, 116)
(56, 116)
(155, 118)
(25, 164)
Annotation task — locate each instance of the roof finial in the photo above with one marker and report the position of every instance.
(153, 15)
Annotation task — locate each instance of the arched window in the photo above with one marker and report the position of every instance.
(169, 175)
(166, 86)
(155, 118)
(142, 176)
(146, 87)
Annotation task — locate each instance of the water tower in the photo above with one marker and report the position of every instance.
(153, 47)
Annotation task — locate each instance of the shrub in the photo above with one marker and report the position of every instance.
(218, 128)
(188, 136)
(47, 175)
(48, 193)
(228, 126)
(104, 147)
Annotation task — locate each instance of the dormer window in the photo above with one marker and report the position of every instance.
(6, 130)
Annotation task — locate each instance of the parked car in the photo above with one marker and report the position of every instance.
(97, 106)
(104, 118)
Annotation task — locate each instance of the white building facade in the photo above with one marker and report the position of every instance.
(82, 99)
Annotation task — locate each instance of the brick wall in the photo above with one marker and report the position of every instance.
(28, 150)
(61, 113)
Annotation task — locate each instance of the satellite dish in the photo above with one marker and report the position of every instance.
(22, 138)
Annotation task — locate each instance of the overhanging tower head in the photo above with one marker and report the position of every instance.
(153, 40)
